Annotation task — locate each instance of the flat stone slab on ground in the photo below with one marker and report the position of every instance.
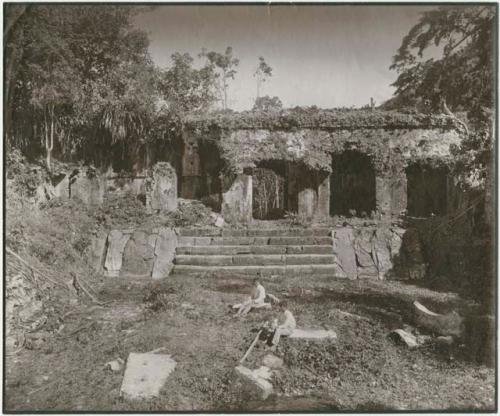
(146, 374)
(313, 334)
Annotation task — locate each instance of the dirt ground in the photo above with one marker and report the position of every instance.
(190, 316)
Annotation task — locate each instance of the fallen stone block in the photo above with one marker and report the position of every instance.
(255, 383)
(271, 361)
(402, 336)
(313, 334)
(449, 324)
(115, 365)
(146, 374)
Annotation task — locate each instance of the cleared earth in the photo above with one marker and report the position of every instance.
(189, 316)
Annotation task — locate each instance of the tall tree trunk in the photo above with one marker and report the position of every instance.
(49, 138)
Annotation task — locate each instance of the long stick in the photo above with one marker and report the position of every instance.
(251, 346)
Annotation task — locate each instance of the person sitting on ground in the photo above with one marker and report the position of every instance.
(256, 299)
(286, 328)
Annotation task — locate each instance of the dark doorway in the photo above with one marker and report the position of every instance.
(352, 184)
(269, 190)
(427, 190)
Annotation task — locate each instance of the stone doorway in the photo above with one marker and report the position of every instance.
(352, 184)
(427, 190)
(269, 191)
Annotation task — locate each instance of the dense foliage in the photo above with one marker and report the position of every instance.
(301, 117)
(463, 75)
(77, 77)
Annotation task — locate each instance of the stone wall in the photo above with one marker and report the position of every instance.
(135, 253)
(367, 252)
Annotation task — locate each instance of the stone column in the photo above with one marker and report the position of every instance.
(391, 193)
(162, 192)
(191, 170)
(323, 207)
(237, 200)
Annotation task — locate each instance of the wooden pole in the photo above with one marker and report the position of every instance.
(251, 347)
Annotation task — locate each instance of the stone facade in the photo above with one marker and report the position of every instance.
(135, 253)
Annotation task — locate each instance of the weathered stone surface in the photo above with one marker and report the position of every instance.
(138, 256)
(164, 253)
(98, 251)
(323, 205)
(237, 201)
(114, 258)
(115, 365)
(162, 188)
(313, 334)
(255, 383)
(88, 187)
(61, 188)
(145, 375)
(403, 336)
(449, 324)
(381, 249)
(307, 203)
(343, 250)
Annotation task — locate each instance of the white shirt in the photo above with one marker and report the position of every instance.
(259, 294)
(289, 321)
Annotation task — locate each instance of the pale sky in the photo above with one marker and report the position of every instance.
(324, 55)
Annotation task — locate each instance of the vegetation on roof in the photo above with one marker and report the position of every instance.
(312, 117)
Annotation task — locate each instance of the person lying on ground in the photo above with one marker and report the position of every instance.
(255, 300)
(284, 329)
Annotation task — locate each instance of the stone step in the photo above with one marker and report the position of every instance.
(254, 232)
(267, 249)
(254, 259)
(259, 241)
(231, 271)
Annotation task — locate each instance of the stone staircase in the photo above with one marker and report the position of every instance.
(250, 251)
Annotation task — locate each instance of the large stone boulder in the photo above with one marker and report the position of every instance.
(161, 194)
(254, 384)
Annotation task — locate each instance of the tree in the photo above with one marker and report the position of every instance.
(186, 89)
(78, 75)
(463, 77)
(262, 72)
(267, 103)
(224, 67)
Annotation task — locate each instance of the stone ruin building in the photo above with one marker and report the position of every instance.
(355, 179)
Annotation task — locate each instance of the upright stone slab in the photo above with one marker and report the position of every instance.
(383, 195)
(61, 187)
(364, 254)
(323, 205)
(138, 257)
(162, 188)
(237, 201)
(98, 251)
(114, 258)
(343, 250)
(307, 203)
(164, 252)
(381, 249)
(88, 187)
